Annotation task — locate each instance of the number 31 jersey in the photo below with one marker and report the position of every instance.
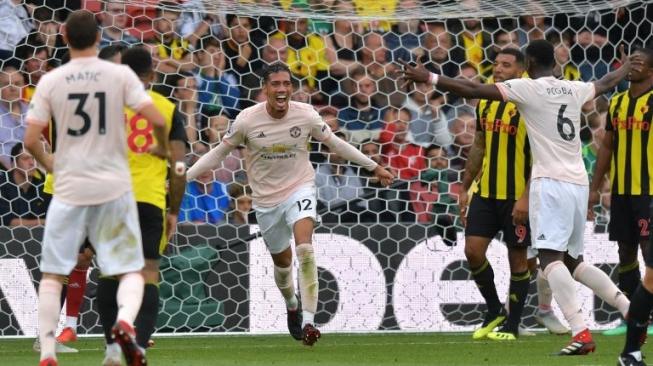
(85, 100)
(551, 109)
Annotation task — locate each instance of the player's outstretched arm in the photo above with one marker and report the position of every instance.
(210, 160)
(472, 168)
(601, 168)
(611, 79)
(461, 87)
(348, 152)
(33, 144)
(153, 115)
(177, 184)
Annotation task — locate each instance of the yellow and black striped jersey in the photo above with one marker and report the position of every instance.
(507, 161)
(149, 173)
(632, 155)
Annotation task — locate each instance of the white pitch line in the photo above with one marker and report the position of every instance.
(324, 344)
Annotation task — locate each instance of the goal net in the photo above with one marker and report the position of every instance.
(389, 258)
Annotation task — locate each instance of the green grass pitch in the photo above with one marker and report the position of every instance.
(334, 349)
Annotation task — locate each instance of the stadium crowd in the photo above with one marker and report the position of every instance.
(209, 65)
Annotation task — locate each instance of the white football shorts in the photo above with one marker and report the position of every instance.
(557, 213)
(111, 227)
(276, 223)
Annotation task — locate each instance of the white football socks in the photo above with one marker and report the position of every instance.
(563, 287)
(544, 295)
(602, 285)
(285, 283)
(49, 308)
(308, 284)
(130, 296)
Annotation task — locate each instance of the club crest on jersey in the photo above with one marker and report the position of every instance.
(295, 132)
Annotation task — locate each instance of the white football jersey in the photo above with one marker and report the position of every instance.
(277, 149)
(551, 109)
(85, 101)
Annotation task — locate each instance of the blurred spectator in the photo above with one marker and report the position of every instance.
(241, 204)
(593, 119)
(463, 129)
(379, 9)
(307, 56)
(439, 54)
(371, 149)
(342, 45)
(174, 52)
(206, 200)
(531, 28)
(194, 22)
(184, 95)
(217, 89)
(404, 36)
(475, 40)
(505, 39)
(428, 125)
(304, 93)
(275, 50)
(242, 57)
(362, 113)
(15, 24)
(377, 59)
(564, 68)
(469, 72)
(385, 204)
(442, 181)
(233, 166)
(12, 113)
(402, 156)
(591, 55)
(337, 184)
(374, 55)
(114, 22)
(22, 201)
(218, 124)
(34, 57)
(48, 32)
(330, 117)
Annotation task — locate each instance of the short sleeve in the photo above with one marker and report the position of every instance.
(40, 111)
(135, 95)
(479, 127)
(608, 121)
(319, 129)
(177, 131)
(584, 91)
(517, 91)
(235, 134)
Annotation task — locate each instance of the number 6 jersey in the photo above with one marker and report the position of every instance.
(85, 100)
(551, 109)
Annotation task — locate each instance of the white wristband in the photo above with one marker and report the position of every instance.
(433, 79)
(180, 168)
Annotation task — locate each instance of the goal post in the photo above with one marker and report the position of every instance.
(389, 259)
